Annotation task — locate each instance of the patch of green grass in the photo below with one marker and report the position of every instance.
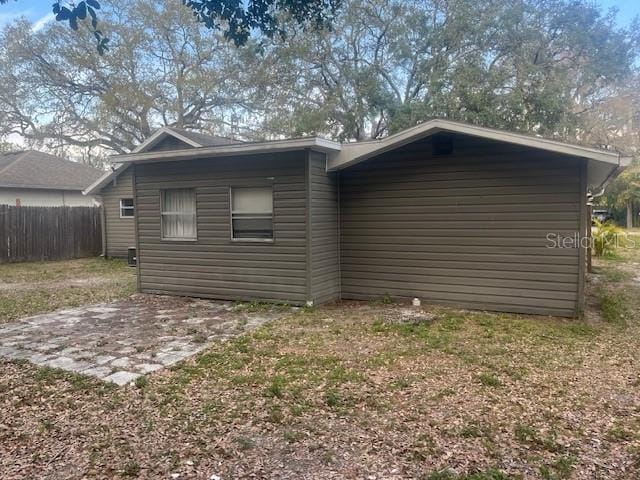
(615, 275)
(276, 387)
(45, 425)
(471, 430)
(76, 382)
(489, 380)
(275, 415)
(245, 443)
(256, 306)
(386, 299)
(141, 382)
(200, 338)
(49, 291)
(332, 398)
(561, 469)
(131, 469)
(618, 433)
(401, 383)
(58, 270)
(527, 434)
(492, 474)
(48, 374)
(291, 436)
(615, 306)
(445, 392)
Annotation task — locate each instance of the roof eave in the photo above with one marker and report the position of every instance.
(352, 154)
(276, 146)
(66, 188)
(96, 187)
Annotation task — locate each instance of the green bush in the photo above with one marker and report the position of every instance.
(606, 237)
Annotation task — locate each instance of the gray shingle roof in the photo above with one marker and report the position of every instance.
(204, 139)
(33, 169)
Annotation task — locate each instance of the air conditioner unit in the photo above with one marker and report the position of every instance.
(132, 258)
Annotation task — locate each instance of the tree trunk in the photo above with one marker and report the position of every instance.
(629, 214)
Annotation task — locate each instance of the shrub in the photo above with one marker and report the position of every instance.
(605, 238)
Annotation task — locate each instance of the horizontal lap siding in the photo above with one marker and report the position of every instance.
(120, 232)
(468, 229)
(325, 252)
(214, 266)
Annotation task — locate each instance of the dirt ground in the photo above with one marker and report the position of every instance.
(357, 391)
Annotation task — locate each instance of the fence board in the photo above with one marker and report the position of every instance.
(49, 233)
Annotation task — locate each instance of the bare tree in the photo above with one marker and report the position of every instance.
(163, 69)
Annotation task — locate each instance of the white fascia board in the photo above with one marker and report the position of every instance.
(354, 153)
(313, 143)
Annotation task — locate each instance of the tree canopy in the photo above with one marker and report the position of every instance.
(163, 69)
(534, 66)
(561, 68)
(235, 18)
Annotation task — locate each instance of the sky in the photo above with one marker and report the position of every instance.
(39, 11)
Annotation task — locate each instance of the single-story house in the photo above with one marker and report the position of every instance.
(36, 179)
(114, 189)
(446, 212)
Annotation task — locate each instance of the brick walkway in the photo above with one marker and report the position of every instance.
(120, 341)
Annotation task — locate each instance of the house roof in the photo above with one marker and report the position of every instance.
(602, 164)
(353, 153)
(193, 139)
(202, 139)
(243, 148)
(33, 169)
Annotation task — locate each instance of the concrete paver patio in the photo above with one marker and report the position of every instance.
(120, 341)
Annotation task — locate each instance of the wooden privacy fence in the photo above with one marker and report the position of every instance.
(49, 233)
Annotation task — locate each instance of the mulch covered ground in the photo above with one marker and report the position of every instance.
(355, 391)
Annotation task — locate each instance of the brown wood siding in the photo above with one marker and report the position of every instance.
(214, 266)
(325, 251)
(120, 232)
(468, 229)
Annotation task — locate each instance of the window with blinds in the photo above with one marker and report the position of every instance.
(178, 215)
(252, 213)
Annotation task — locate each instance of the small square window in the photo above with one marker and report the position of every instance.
(252, 213)
(127, 209)
(178, 214)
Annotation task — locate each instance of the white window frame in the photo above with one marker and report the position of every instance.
(164, 214)
(259, 215)
(132, 207)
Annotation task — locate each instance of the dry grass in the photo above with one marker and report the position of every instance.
(39, 287)
(345, 391)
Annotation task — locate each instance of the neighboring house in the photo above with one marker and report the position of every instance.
(36, 179)
(446, 212)
(115, 188)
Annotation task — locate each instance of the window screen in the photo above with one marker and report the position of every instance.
(126, 207)
(179, 214)
(252, 213)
